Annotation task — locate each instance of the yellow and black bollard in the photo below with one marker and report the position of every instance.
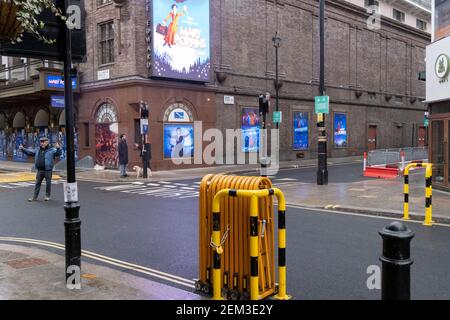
(428, 196)
(428, 191)
(281, 246)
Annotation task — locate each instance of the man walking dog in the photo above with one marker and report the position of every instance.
(43, 162)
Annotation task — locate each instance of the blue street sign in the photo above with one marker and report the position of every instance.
(57, 82)
(57, 101)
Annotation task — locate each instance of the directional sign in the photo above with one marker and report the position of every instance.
(54, 28)
(322, 104)
(277, 117)
(144, 126)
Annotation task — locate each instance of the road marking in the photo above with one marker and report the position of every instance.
(286, 179)
(17, 185)
(162, 189)
(325, 210)
(119, 188)
(108, 260)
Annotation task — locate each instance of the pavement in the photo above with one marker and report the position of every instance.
(381, 197)
(30, 273)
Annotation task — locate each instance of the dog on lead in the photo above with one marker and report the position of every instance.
(140, 171)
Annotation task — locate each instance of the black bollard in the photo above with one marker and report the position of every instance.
(396, 262)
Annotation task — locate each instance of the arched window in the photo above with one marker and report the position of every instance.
(106, 113)
(106, 136)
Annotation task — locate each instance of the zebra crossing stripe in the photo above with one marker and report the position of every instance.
(120, 188)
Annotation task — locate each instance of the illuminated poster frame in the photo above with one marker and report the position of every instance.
(180, 39)
(300, 130)
(340, 137)
(250, 125)
(178, 137)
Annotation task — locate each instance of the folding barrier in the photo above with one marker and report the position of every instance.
(236, 221)
(428, 192)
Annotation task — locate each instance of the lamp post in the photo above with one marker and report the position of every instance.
(72, 222)
(144, 131)
(276, 43)
(322, 172)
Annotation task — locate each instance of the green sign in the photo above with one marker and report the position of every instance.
(322, 104)
(426, 121)
(276, 117)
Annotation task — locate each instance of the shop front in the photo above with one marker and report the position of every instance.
(438, 99)
(32, 110)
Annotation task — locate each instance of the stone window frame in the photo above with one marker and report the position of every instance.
(107, 41)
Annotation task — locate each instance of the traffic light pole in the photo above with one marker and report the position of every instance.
(322, 172)
(263, 109)
(72, 221)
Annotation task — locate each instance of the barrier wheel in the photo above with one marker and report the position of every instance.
(225, 293)
(234, 295)
(198, 285)
(244, 296)
(206, 288)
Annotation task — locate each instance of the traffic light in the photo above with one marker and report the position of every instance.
(144, 110)
(264, 103)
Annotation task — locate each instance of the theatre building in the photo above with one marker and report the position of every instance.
(207, 61)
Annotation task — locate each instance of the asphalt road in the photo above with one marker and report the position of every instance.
(327, 253)
(344, 173)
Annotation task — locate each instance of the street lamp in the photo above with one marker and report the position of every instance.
(276, 43)
(322, 171)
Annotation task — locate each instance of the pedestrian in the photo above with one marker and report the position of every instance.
(146, 155)
(44, 156)
(123, 155)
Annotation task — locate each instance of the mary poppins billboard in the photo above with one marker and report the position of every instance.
(180, 39)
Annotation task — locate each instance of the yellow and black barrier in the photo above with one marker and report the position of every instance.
(236, 219)
(254, 240)
(428, 191)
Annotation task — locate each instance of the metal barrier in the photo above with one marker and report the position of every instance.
(254, 240)
(392, 157)
(428, 191)
(236, 219)
(388, 163)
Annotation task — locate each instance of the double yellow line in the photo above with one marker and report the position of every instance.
(111, 261)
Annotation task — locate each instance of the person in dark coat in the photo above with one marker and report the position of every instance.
(123, 155)
(44, 163)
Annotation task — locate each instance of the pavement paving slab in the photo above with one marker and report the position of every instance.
(30, 273)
